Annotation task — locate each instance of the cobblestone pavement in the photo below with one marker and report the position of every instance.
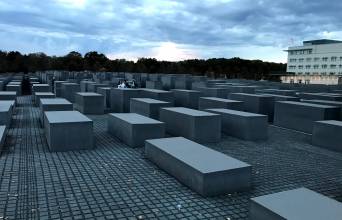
(114, 181)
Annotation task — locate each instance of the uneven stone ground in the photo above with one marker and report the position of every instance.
(114, 181)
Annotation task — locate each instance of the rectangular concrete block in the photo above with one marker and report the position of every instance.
(186, 98)
(84, 85)
(89, 103)
(283, 92)
(301, 116)
(213, 102)
(162, 95)
(154, 85)
(14, 88)
(325, 102)
(133, 129)
(243, 125)
(41, 88)
(300, 203)
(93, 86)
(120, 98)
(58, 88)
(40, 95)
(148, 107)
(259, 104)
(105, 91)
(69, 90)
(68, 130)
(322, 96)
(57, 104)
(202, 169)
(328, 134)
(8, 95)
(214, 92)
(192, 124)
(3, 132)
(6, 111)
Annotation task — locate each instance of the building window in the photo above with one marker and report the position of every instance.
(332, 73)
(300, 67)
(301, 60)
(325, 59)
(307, 66)
(307, 73)
(340, 66)
(293, 60)
(333, 59)
(340, 58)
(316, 59)
(316, 66)
(324, 66)
(308, 59)
(332, 66)
(323, 73)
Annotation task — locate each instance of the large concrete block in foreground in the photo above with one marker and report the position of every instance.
(301, 116)
(57, 104)
(202, 169)
(69, 90)
(328, 134)
(186, 98)
(89, 103)
(259, 104)
(148, 107)
(41, 88)
(297, 204)
(3, 131)
(162, 95)
(133, 129)
(213, 102)
(195, 125)
(105, 91)
(68, 130)
(244, 125)
(120, 98)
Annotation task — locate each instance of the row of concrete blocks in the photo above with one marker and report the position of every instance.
(6, 111)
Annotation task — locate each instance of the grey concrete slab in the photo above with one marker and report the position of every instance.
(154, 85)
(105, 91)
(39, 95)
(202, 169)
(120, 98)
(14, 88)
(325, 102)
(3, 132)
(301, 116)
(186, 98)
(56, 104)
(6, 111)
(283, 92)
(133, 129)
(58, 88)
(327, 134)
(214, 92)
(296, 204)
(93, 86)
(41, 88)
(89, 103)
(213, 102)
(321, 96)
(243, 125)
(260, 104)
(162, 95)
(69, 90)
(8, 95)
(195, 125)
(84, 85)
(68, 130)
(148, 107)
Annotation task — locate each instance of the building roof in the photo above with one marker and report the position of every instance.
(321, 41)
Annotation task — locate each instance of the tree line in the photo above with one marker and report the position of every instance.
(93, 61)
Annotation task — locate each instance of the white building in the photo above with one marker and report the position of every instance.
(316, 62)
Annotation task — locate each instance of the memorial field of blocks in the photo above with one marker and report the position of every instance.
(74, 146)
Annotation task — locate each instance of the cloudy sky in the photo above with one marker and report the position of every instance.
(167, 30)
